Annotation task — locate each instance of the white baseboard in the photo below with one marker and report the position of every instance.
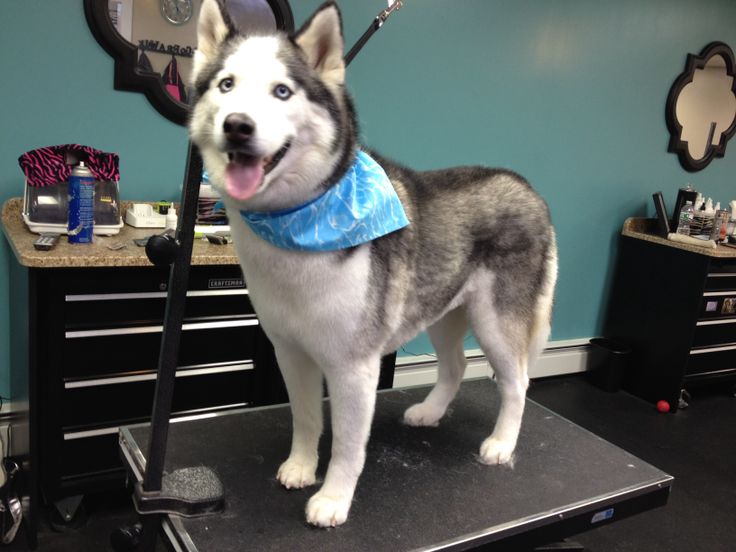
(558, 358)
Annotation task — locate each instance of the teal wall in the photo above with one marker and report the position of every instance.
(570, 93)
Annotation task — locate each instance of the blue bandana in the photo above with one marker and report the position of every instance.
(361, 207)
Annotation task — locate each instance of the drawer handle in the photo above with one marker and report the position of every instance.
(75, 334)
(713, 349)
(716, 322)
(149, 377)
(150, 295)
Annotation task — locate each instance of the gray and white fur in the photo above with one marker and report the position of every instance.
(479, 252)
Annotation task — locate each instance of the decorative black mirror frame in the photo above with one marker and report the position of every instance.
(676, 144)
(126, 57)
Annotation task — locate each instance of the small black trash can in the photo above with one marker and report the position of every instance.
(608, 362)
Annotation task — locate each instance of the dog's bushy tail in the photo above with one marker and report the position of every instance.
(541, 326)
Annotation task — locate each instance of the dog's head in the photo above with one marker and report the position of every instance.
(271, 116)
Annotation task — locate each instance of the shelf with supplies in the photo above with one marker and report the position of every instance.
(105, 251)
(646, 230)
(674, 304)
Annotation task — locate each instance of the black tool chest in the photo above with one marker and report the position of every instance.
(676, 309)
(96, 334)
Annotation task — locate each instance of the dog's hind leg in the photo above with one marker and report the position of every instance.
(303, 380)
(506, 347)
(352, 391)
(447, 339)
(511, 340)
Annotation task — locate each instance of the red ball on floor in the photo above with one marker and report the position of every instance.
(663, 406)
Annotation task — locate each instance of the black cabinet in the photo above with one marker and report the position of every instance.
(95, 338)
(676, 308)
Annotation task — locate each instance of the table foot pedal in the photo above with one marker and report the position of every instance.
(187, 492)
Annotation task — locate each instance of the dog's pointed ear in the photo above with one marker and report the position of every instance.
(320, 38)
(213, 27)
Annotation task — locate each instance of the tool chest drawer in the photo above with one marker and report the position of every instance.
(711, 360)
(715, 332)
(720, 281)
(123, 296)
(85, 311)
(127, 400)
(109, 351)
(718, 304)
(110, 280)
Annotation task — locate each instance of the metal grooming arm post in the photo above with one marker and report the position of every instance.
(149, 499)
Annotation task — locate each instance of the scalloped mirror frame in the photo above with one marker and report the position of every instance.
(677, 144)
(125, 54)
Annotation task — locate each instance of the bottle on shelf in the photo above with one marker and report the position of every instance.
(171, 219)
(686, 218)
(709, 220)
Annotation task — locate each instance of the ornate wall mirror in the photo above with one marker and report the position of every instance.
(153, 42)
(701, 107)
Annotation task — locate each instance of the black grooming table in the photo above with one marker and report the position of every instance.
(422, 488)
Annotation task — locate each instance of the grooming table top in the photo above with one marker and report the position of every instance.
(422, 488)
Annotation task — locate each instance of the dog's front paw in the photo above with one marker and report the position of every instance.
(494, 451)
(422, 415)
(327, 511)
(297, 473)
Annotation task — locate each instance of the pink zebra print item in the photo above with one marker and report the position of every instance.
(48, 166)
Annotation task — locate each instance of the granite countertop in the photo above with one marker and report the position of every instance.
(646, 229)
(97, 254)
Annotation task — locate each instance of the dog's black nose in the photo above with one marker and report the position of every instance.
(238, 127)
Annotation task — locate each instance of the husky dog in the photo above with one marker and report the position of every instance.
(277, 130)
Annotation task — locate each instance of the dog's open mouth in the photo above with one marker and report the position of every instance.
(244, 173)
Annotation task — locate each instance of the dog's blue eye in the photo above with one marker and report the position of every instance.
(226, 85)
(282, 92)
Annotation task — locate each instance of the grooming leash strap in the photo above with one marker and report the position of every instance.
(376, 24)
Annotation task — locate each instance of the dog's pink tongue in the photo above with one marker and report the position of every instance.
(242, 181)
